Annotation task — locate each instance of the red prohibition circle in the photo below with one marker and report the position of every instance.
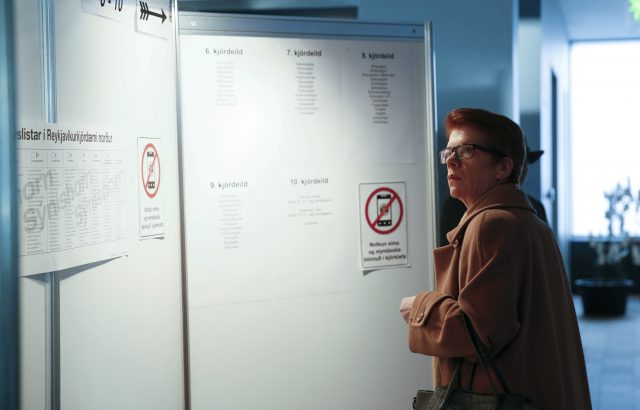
(155, 158)
(394, 197)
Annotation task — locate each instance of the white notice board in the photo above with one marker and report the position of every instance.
(283, 122)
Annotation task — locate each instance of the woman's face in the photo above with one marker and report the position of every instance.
(471, 177)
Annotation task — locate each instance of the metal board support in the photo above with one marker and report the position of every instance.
(9, 295)
(186, 368)
(52, 279)
(52, 334)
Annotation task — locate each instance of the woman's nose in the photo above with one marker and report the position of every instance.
(452, 161)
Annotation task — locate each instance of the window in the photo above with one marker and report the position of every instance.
(605, 131)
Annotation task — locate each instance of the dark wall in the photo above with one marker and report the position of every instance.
(529, 9)
(530, 124)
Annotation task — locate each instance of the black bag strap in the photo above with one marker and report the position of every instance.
(472, 373)
(484, 356)
(486, 360)
(453, 383)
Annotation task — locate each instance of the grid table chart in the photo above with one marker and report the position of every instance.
(69, 199)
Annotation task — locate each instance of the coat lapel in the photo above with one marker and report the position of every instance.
(501, 196)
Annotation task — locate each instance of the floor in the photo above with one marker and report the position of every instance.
(612, 353)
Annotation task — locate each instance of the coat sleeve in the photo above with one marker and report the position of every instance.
(492, 262)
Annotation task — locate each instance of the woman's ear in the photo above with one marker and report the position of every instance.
(505, 167)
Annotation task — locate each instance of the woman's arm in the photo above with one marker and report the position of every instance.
(492, 260)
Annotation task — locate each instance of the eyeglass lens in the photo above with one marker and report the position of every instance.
(461, 152)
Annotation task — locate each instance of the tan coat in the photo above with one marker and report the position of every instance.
(504, 270)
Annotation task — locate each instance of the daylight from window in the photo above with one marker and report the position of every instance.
(605, 134)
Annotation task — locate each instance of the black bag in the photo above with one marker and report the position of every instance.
(454, 398)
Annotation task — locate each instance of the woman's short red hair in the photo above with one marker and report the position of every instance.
(497, 130)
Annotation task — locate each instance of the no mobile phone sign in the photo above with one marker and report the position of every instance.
(383, 225)
(150, 168)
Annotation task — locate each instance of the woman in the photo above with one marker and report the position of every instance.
(502, 267)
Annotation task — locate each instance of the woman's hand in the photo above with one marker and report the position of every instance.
(405, 307)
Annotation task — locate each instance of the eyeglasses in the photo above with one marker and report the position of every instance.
(465, 151)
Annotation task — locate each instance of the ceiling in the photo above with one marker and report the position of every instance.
(585, 19)
(599, 20)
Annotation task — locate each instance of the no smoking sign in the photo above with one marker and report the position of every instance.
(383, 227)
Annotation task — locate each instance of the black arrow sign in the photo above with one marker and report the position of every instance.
(145, 12)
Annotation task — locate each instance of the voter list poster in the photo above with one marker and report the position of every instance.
(70, 195)
(270, 126)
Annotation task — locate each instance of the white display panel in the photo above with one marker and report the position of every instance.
(279, 132)
(120, 333)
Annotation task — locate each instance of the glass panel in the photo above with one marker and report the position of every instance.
(605, 88)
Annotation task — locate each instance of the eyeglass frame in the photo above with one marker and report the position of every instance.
(478, 147)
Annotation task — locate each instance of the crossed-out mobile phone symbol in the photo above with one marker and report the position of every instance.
(150, 169)
(384, 210)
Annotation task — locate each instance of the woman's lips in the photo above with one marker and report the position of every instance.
(452, 177)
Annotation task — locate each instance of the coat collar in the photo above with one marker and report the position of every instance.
(501, 196)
